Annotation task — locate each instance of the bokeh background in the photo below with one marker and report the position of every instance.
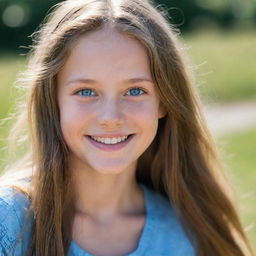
(220, 39)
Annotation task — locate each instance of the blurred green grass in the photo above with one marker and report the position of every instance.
(227, 75)
(10, 65)
(225, 64)
(238, 153)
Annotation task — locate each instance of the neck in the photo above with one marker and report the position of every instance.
(103, 197)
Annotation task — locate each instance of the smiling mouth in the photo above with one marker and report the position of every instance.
(110, 144)
(110, 147)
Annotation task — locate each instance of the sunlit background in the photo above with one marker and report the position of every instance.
(220, 39)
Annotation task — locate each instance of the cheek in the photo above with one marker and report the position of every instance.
(73, 112)
(73, 116)
(144, 114)
(145, 110)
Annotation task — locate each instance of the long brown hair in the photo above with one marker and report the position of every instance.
(181, 163)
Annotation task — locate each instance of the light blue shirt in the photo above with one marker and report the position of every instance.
(162, 234)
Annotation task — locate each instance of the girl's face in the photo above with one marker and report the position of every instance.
(105, 90)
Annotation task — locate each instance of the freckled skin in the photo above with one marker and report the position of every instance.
(109, 58)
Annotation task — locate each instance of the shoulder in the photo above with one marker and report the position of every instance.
(13, 208)
(171, 238)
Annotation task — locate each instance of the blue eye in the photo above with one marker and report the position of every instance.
(136, 91)
(84, 92)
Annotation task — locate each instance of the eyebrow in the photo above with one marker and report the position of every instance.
(91, 81)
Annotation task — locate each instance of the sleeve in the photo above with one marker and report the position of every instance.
(12, 209)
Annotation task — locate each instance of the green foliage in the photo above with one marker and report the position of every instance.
(20, 18)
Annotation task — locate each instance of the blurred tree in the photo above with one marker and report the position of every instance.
(188, 14)
(20, 18)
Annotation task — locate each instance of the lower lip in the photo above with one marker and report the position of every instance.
(110, 147)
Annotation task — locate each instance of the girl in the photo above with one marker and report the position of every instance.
(119, 159)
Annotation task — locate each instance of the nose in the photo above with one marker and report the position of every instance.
(110, 114)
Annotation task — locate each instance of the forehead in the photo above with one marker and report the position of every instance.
(107, 52)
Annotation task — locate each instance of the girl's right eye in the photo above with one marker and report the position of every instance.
(84, 92)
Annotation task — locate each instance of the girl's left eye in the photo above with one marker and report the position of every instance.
(136, 91)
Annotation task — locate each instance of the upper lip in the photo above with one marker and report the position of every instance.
(110, 135)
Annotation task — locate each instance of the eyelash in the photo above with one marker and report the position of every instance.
(79, 91)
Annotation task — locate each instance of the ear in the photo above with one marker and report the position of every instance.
(161, 111)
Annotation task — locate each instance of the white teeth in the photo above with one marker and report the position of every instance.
(110, 140)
